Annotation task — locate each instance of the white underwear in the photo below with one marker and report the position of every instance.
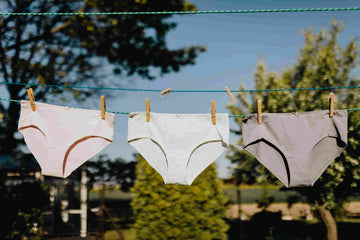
(178, 146)
(61, 138)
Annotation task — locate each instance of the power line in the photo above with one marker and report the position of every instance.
(280, 10)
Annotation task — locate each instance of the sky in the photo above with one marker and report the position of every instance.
(235, 43)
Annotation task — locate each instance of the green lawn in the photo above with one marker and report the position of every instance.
(110, 194)
(112, 235)
(252, 193)
(248, 194)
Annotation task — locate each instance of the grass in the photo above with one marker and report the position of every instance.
(112, 235)
(248, 193)
(110, 194)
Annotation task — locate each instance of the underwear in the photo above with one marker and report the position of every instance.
(178, 146)
(296, 147)
(61, 138)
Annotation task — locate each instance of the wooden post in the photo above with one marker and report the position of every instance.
(83, 208)
(101, 211)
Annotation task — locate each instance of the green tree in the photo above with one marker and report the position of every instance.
(112, 172)
(322, 62)
(82, 50)
(176, 211)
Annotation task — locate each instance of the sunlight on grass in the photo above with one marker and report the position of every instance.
(112, 235)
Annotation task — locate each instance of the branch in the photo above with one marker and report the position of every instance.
(20, 6)
(32, 53)
(64, 25)
(2, 108)
(3, 62)
(39, 37)
(27, 41)
(52, 31)
(17, 50)
(41, 94)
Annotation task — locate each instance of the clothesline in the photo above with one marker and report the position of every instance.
(180, 146)
(280, 10)
(127, 113)
(179, 90)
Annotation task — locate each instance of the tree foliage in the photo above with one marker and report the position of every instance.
(110, 172)
(177, 211)
(322, 62)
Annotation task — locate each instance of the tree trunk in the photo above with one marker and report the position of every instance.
(8, 143)
(329, 222)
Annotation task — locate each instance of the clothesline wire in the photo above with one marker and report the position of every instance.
(127, 113)
(279, 10)
(174, 90)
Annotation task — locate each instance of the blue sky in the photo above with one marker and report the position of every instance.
(235, 42)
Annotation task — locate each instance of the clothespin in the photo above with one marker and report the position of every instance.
(147, 103)
(166, 91)
(331, 104)
(213, 113)
(259, 111)
(30, 94)
(103, 106)
(230, 94)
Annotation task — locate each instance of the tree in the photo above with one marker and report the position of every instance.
(89, 50)
(21, 207)
(177, 211)
(110, 172)
(322, 62)
(69, 50)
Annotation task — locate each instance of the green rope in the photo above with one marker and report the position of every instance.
(127, 113)
(352, 109)
(196, 91)
(118, 112)
(189, 12)
(10, 100)
(237, 115)
(296, 89)
(349, 109)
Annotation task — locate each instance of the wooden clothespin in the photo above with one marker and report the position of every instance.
(259, 111)
(147, 103)
(331, 104)
(103, 106)
(166, 91)
(230, 94)
(30, 94)
(213, 112)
